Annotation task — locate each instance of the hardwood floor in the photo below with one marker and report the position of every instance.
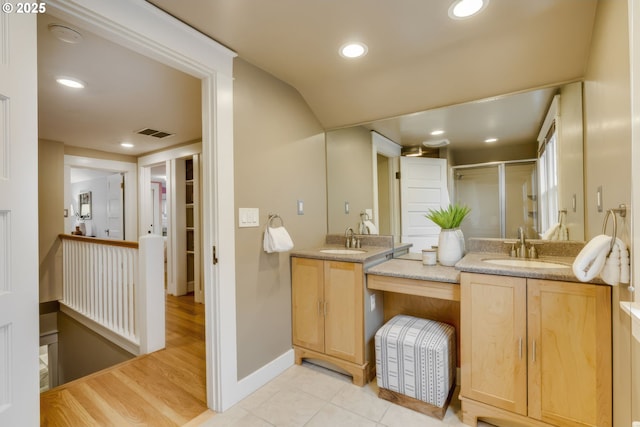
(165, 388)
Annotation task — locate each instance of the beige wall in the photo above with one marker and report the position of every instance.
(95, 154)
(279, 158)
(50, 217)
(82, 352)
(607, 114)
(608, 163)
(349, 177)
(571, 159)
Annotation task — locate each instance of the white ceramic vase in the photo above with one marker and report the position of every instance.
(450, 246)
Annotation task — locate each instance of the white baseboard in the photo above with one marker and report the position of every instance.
(257, 379)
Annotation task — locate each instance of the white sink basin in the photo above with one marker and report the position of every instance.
(342, 251)
(529, 263)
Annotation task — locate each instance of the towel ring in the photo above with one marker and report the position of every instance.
(272, 217)
(622, 211)
(561, 212)
(610, 213)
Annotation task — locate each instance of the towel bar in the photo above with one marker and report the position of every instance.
(622, 211)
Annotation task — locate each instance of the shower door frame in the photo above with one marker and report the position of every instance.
(501, 184)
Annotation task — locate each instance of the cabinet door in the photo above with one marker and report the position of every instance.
(344, 327)
(307, 278)
(493, 341)
(569, 353)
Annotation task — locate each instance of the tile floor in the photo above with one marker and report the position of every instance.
(312, 396)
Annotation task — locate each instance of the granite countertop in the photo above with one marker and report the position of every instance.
(411, 267)
(473, 263)
(367, 254)
(375, 248)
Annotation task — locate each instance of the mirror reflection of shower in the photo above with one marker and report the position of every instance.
(502, 197)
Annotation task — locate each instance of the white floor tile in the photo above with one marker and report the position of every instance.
(235, 417)
(334, 416)
(311, 396)
(362, 401)
(289, 408)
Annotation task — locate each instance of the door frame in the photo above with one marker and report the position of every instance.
(145, 29)
(175, 268)
(388, 148)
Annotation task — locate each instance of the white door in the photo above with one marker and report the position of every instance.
(19, 397)
(115, 205)
(423, 186)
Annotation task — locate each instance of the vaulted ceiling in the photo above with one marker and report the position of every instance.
(418, 59)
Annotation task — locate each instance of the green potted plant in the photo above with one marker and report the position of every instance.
(451, 239)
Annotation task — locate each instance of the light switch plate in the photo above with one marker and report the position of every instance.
(248, 217)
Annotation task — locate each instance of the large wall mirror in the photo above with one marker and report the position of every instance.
(361, 177)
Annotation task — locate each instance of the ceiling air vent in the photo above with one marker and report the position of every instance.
(154, 133)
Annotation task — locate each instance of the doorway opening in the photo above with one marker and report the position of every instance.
(171, 207)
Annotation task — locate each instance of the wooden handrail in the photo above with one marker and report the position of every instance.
(95, 240)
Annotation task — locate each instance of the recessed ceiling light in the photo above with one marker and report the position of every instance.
(65, 34)
(490, 140)
(437, 132)
(461, 9)
(353, 50)
(71, 82)
(436, 143)
(126, 144)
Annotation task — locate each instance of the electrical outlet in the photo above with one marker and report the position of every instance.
(300, 207)
(346, 207)
(373, 302)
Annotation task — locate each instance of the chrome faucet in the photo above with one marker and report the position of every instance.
(522, 253)
(349, 237)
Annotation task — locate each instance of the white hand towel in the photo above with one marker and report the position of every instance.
(616, 268)
(625, 267)
(371, 226)
(563, 232)
(591, 258)
(611, 271)
(276, 239)
(549, 234)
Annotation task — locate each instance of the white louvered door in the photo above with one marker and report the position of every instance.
(19, 389)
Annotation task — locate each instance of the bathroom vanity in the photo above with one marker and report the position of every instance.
(536, 344)
(334, 314)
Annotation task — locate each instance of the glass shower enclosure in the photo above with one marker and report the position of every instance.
(502, 197)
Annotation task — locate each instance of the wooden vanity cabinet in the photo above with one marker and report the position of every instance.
(535, 352)
(328, 318)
